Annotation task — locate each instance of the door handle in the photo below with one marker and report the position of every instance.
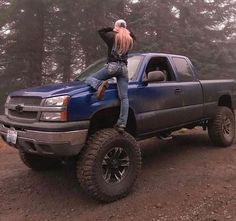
(178, 91)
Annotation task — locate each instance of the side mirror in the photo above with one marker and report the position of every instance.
(155, 76)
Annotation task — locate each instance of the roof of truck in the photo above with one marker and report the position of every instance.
(157, 54)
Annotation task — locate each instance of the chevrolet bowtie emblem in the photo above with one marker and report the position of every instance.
(19, 108)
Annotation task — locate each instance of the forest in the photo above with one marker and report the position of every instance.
(51, 41)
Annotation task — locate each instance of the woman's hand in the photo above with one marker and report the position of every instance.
(116, 29)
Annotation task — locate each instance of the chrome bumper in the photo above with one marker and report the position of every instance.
(66, 143)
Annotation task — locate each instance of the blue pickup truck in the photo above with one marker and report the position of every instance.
(58, 122)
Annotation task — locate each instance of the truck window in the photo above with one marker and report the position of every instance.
(184, 71)
(160, 64)
(134, 62)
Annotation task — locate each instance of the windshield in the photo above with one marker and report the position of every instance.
(133, 66)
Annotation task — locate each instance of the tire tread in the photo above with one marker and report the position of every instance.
(85, 167)
(215, 130)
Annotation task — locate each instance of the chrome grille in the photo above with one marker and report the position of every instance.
(24, 101)
(30, 101)
(25, 114)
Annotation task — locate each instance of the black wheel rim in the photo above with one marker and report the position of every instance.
(227, 126)
(115, 165)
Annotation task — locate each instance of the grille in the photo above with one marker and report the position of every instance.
(29, 101)
(26, 101)
(26, 114)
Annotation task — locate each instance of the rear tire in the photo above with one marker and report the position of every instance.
(221, 129)
(38, 163)
(109, 165)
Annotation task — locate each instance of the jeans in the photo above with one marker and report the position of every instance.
(118, 70)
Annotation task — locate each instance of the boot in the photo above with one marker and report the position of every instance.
(101, 89)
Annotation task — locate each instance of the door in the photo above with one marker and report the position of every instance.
(158, 105)
(191, 90)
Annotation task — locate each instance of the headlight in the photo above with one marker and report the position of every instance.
(60, 102)
(54, 116)
(56, 101)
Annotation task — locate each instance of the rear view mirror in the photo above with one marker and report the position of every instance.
(155, 76)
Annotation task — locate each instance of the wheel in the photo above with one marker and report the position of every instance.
(221, 129)
(38, 163)
(109, 165)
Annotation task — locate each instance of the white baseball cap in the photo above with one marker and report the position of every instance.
(120, 23)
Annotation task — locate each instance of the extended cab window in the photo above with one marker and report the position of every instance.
(184, 71)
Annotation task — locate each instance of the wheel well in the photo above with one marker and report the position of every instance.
(107, 118)
(225, 101)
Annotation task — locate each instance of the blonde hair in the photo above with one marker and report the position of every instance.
(123, 40)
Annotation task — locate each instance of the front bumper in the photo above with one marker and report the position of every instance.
(51, 139)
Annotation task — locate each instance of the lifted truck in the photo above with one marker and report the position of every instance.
(52, 123)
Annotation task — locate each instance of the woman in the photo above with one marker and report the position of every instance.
(119, 41)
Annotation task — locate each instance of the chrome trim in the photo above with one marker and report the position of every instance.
(36, 108)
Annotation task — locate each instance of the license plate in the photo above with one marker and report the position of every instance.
(11, 136)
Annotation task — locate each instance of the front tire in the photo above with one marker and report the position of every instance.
(38, 163)
(109, 165)
(221, 129)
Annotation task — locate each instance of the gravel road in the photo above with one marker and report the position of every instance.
(183, 179)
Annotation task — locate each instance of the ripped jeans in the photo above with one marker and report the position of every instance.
(118, 70)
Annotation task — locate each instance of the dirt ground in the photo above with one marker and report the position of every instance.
(182, 179)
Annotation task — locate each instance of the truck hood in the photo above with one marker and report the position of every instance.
(53, 90)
